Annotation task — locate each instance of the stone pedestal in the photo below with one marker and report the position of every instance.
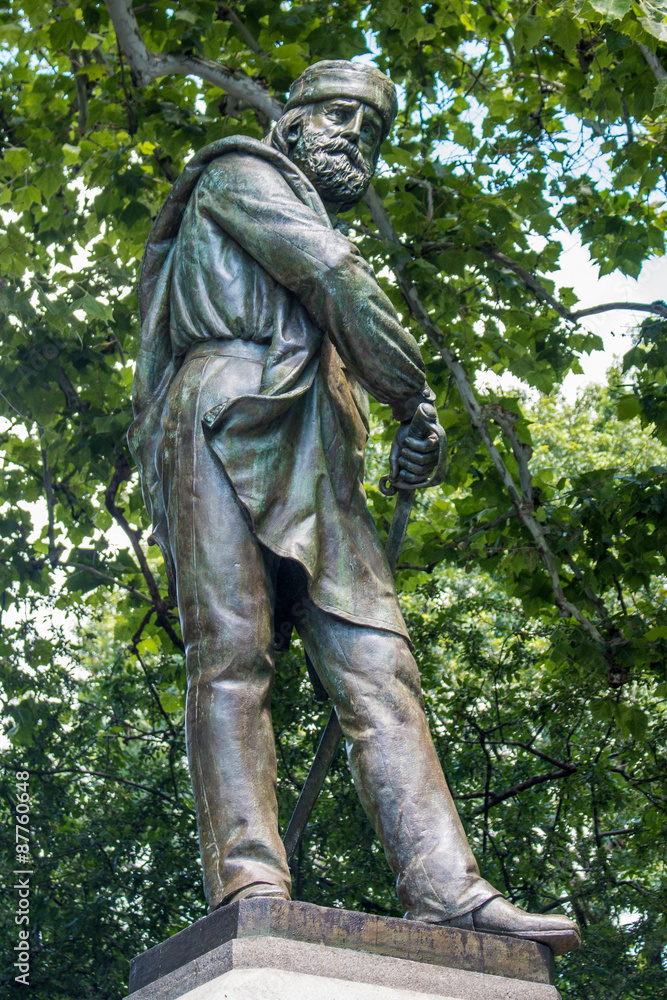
(271, 949)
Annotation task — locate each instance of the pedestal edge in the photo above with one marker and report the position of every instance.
(335, 963)
(347, 929)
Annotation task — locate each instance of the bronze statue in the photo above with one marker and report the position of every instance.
(262, 330)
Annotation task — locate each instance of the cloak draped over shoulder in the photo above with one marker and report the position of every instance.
(243, 249)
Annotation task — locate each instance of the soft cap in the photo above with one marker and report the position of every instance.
(331, 78)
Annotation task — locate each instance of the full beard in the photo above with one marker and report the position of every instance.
(335, 166)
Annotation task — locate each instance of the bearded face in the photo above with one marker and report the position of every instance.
(336, 166)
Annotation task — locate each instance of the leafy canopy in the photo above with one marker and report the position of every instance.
(534, 579)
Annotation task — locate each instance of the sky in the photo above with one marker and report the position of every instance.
(615, 328)
(580, 273)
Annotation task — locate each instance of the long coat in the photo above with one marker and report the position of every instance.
(244, 248)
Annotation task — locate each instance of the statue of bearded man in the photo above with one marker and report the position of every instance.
(262, 331)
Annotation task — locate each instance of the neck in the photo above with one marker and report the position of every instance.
(332, 207)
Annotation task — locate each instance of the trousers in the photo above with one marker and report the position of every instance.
(226, 589)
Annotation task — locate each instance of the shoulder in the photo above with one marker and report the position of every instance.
(241, 170)
(242, 163)
(239, 167)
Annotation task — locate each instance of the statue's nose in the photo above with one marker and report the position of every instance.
(352, 128)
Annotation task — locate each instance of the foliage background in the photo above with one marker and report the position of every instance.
(534, 581)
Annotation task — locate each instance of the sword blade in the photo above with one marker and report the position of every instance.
(313, 784)
(398, 527)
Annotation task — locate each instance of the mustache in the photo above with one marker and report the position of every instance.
(340, 144)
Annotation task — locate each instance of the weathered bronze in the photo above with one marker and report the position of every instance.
(262, 330)
(420, 428)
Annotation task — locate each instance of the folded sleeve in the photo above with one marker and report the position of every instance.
(253, 203)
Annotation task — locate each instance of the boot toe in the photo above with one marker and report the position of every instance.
(499, 916)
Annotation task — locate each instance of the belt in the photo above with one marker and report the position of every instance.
(237, 348)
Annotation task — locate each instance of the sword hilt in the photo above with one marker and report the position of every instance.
(423, 424)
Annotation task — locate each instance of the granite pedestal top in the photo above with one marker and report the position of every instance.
(310, 940)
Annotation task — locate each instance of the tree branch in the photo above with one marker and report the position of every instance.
(653, 307)
(507, 420)
(594, 598)
(528, 279)
(153, 691)
(242, 88)
(111, 777)
(537, 779)
(227, 13)
(147, 66)
(656, 67)
(122, 473)
(81, 90)
(484, 526)
(54, 552)
(84, 568)
(522, 506)
(534, 750)
(531, 282)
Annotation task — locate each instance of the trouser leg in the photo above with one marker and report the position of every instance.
(225, 599)
(230, 746)
(373, 681)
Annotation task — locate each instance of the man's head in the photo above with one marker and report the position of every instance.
(335, 120)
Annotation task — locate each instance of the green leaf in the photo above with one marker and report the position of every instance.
(565, 31)
(66, 31)
(660, 95)
(17, 159)
(627, 407)
(528, 30)
(10, 34)
(612, 9)
(657, 632)
(93, 307)
(602, 709)
(171, 702)
(48, 181)
(655, 27)
(632, 720)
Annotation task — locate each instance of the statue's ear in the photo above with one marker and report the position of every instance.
(293, 133)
